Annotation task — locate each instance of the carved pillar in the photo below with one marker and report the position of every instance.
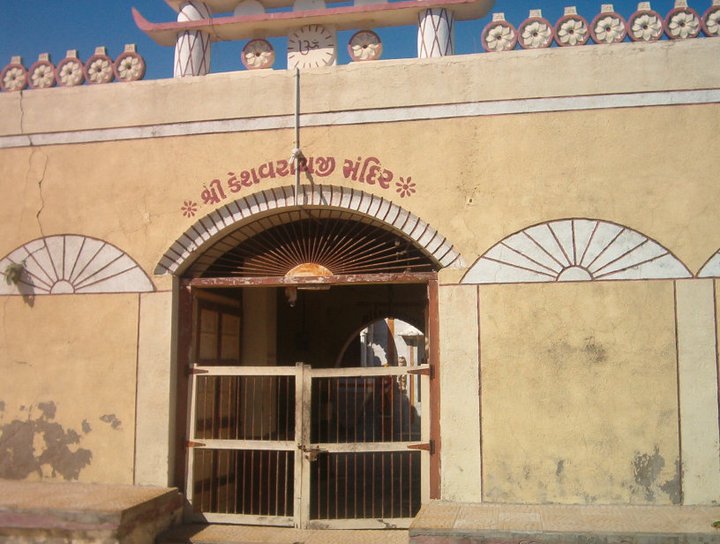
(192, 52)
(436, 33)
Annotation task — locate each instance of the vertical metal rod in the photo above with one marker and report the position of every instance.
(296, 151)
(277, 484)
(410, 483)
(372, 495)
(236, 478)
(285, 486)
(244, 485)
(392, 484)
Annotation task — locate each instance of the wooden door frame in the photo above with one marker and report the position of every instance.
(184, 347)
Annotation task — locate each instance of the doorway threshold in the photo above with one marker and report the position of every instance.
(246, 534)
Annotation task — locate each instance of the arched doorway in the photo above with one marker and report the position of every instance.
(277, 434)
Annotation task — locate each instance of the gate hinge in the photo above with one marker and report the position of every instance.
(425, 370)
(428, 446)
(193, 444)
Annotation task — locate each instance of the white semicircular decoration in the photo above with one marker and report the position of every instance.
(575, 250)
(711, 269)
(70, 263)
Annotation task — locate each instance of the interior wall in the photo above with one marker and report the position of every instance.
(315, 330)
(259, 327)
(579, 393)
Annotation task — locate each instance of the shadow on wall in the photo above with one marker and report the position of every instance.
(41, 446)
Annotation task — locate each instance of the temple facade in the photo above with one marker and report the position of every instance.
(330, 294)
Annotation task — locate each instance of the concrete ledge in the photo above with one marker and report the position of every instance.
(43, 511)
(456, 523)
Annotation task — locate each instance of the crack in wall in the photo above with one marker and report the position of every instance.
(40, 190)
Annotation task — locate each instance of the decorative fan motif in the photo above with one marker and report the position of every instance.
(711, 269)
(279, 245)
(575, 250)
(71, 263)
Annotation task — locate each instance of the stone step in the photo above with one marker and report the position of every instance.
(71, 512)
(453, 523)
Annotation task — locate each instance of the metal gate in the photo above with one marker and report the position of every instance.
(311, 448)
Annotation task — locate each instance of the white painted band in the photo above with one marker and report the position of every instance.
(380, 115)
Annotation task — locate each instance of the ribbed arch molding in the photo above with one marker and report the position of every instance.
(575, 250)
(72, 264)
(203, 242)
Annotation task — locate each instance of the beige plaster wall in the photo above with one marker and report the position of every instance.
(68, 390)
(579, 393)
(475, 184)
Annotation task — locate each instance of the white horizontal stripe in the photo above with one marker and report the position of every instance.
(384, 115)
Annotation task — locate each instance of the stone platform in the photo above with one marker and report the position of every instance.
(87, 513)
(456, 523)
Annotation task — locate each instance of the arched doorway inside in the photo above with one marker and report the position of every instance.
(278, 434)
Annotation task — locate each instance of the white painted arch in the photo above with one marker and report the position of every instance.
(576, 249)
(204, 239)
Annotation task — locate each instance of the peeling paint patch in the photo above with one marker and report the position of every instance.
(48, 409)
(647, 469)
(560, 468)
(673, 487)
(27, 447)
(112, 419)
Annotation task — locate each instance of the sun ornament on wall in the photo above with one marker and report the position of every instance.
(536, 32)
(14, 76)
(69, 71)
(99, 67)
(572, 29)
(499, 35)
(42, 74)
(129, 66)
(645, 24)
(683, 23)
(575, 250)
(70, 263)
(608, 27)
(711, 19)
(365, 45)
(258, 55)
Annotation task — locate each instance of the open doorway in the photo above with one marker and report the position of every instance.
(292, 422)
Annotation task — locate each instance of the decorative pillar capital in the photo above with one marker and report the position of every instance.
(436, 33)
(192, 51)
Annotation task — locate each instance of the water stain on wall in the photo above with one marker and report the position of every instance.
(590, 352)
(28, 446)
